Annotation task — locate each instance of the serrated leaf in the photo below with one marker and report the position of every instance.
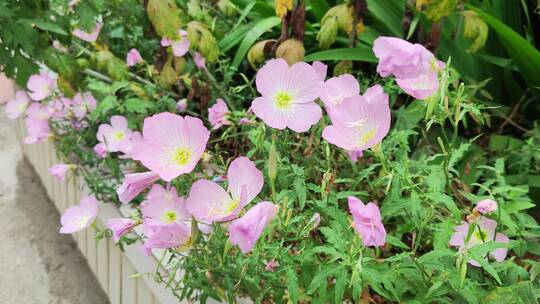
(137, 105)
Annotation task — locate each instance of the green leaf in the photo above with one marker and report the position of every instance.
(525, 55)
(320, 278)
(519, 293)
(319, 8)
(360, 53)
(292, 285)
(389, 13)
(251, 36)
(342, 277)
(232, 39)
(137, 105)
(47, 26)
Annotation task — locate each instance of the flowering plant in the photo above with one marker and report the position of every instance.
(289, 179)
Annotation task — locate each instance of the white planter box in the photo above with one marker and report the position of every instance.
(111, 266)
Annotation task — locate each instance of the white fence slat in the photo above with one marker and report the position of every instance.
(144, 295)
(102, 262)
(129, 286)
(115, 273)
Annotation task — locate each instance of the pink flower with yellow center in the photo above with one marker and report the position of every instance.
(208, 201)
(163, 206)
(171, 144)
(484, 231)
(41, 86)
(18, 105)
(359, 122)
(116, 136)
(288, 95)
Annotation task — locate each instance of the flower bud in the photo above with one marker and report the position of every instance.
(164, 16)
(282, 7)
(256, 54)
(476, 29)
(486, 206)
(328, 32)
(291, 50)
(272, 162)
(343, 67)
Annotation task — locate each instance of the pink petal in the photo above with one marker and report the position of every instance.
(266, 110)
(209, 202)
(243, 172)
(303, 116)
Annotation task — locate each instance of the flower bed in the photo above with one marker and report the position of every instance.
(282, 171)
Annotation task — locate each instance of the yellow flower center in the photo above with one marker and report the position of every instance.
(366, 137)
(181, 156)
(169, 217)
(119, 135)
(480, 235)
(283, 100)
(232, 206)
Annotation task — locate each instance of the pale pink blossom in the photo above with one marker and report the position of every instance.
(77, 218)
(175, 235)
(37, 124)
(41, 86)
(164, 206)
(180, 47)
(486, 206)
(359, 122)
(133, 57)
(171, 145)
(134, 184)
(181, 105)
(199, 60)
(246, 230)
(59, 108)
(120, 226)
(337, 89)
(88, 36)
(416, 69)
(271, 265)
(367, 222)
(59, 171)
(82, 104)
(218, 114)
(17, 106)
(484, 231)
(321, 69)
(100, 150)
(116, 136)
(288, 95)
(208, 201)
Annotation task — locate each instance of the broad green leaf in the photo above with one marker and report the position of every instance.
(319, 8)
(389, 13)
(292, 285)
(233, 38)
(251, 36)
(48, 26)
(360, 53)
(525, 56)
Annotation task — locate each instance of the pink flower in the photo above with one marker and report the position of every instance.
(120, 226)
(484, 231)
(207, 201)
(41, 86)
(367, 222)
(180, 47)
(288, 95)
(130, 145)
(166, 236)
(59, 171)
(17, 106)
(246, 230)
(77, 218)
(316, 220)
(271, 265)
(163, 206)
(199, 61)
(336, 89)
(37, 124)
(133, 57)
(359, 122)
(181, 105)
(116, 136)
(100, 150)
(134, 184)
(171, 145)
(415, 68)
(486, 206)
(82, 104)
(88, 37)
(217, 114)
(321, 69)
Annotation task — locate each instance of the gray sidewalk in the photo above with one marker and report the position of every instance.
(37, 264)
